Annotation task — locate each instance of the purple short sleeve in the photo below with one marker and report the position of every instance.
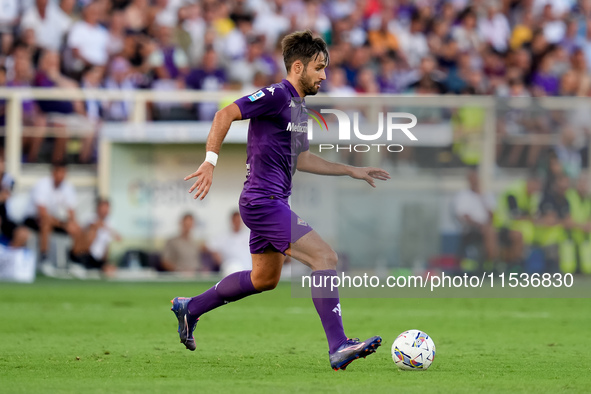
(263, 102)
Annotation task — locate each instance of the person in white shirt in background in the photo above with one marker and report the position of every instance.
(51, 209)
(49, 22)
(88, 41)
(97, 238)
(474, 210)
(231, 251)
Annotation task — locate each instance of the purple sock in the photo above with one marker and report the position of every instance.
(328, 307)
(232, 288)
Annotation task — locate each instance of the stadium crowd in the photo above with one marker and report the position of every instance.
(506, 48)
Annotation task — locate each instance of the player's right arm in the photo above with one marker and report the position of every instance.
(219, 129)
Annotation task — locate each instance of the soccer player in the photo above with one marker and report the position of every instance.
(274, 151)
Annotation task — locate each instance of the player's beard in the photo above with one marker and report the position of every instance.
(308, 86)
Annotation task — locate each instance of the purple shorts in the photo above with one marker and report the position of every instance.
(272, 223)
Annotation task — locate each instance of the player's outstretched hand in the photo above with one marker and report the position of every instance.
(368, 174)
(204, 177)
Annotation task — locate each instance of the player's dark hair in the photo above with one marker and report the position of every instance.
(301, 45)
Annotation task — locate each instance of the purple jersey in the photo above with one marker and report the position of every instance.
(277, 134)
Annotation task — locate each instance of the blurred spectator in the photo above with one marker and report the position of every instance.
(553, 26)
(553, 170)
(208, 77)
(474, 211)
(367, 82)
(170, 65)
(21, 77)
(119, 77)
(579, 67)
(235, 42)
(51, 208)
(438, 34)
(169, 61)
(579, 202)
(381, 39)
(514, 218)
(522, 32)
(388, 77)
(97, 237)
(9, 18)
(466, 34)
(337, 84)
(428, 75)
(412, 41)
(231, 251)
(56, 111)
(494, 28)
(68, 7)
(556, 8)
(254, 61)
(584, 44)
(353, 64)
(554, 219)
(568, 154)
(49, 23)
(313, 18)
(136, 16)
(569, 42)
(544, 79)
(88, 41)
(91, 79)
(165, 12)
(10, 233)
(182, 253)
(199, 34)
(116, 34)
(272, 22)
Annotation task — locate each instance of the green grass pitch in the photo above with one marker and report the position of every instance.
(102, 337)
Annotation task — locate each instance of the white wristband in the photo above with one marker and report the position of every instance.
(211, 157)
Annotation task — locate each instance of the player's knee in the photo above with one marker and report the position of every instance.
(325, 260)
(332, 259)
(266, 285)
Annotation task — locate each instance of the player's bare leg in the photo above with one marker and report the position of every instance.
(314, 252)
(266, 269)
(265, 274)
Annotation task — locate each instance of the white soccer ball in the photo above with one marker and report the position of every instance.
(413, 350)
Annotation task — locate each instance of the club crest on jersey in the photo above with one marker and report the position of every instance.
(256, 96)
(301, 222)
(271, 89)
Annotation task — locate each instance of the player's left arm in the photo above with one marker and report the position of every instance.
(309, 162)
